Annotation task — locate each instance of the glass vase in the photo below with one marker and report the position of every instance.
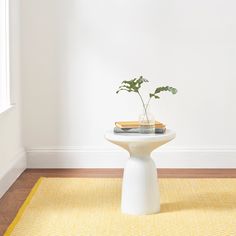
(147, 122)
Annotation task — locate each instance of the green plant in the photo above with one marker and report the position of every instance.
(135, 84)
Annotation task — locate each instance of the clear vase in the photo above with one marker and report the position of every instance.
(147, 122)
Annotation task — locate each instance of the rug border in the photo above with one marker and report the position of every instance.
(23, 207)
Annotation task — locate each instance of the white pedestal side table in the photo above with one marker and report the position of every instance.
(140, 190)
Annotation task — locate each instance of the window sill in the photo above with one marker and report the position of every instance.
(6, 109)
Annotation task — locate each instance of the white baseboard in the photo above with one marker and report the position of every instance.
(67, 157)
(12, 171)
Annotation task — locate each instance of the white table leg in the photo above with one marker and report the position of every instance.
(140, 190)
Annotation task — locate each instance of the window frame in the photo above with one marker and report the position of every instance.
(5, 82)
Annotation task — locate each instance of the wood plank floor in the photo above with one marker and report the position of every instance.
(15, 196)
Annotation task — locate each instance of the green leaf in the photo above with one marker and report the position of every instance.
(153, 95)
(166, 88)
(132, 85)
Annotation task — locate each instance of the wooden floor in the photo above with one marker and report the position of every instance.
(15, 196)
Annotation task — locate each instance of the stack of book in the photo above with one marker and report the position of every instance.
(134, 127)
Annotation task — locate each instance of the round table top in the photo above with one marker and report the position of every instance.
(138, 137)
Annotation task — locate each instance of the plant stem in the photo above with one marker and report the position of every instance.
(148, 102)
(144, 107)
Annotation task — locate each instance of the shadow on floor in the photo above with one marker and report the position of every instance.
(207, 201)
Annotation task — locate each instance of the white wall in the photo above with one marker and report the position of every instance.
(75, 53)
(12, 157)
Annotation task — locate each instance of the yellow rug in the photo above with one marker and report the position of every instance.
(91, 207)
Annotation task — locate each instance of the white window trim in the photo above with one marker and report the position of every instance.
(7, 101)
(6, 110)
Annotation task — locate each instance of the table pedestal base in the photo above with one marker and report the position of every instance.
(140, 190)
